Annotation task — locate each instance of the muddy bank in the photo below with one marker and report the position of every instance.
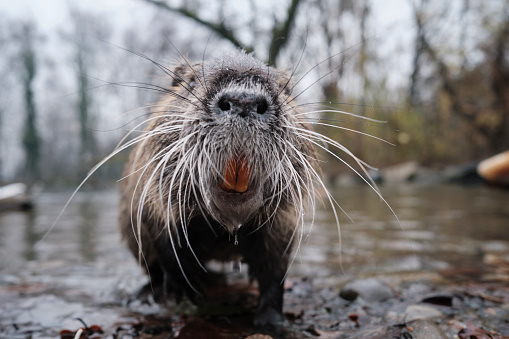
(421, 306)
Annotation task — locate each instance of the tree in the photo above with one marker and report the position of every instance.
(469, 95)
(87, 32)
(31, 140)
(5, 85)
(280, 31)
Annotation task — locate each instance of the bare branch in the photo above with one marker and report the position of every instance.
(281, 34)
(448, 86)
(218, 28)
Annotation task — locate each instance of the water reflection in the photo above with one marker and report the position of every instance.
(439, 226)
(30, 235)
(87, 230)
(89, 219)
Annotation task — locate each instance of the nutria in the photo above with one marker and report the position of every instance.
(223, 170)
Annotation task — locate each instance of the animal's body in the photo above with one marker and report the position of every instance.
(223, 171)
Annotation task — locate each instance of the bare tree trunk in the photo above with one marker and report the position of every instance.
(418, 53)
(88, 29)
(281, 33)
(360, 150)
(31, 139)
(88, 144)
(500, 87)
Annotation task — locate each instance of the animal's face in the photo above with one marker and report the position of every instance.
(240, 142)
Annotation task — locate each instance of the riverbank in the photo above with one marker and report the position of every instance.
(442, 269)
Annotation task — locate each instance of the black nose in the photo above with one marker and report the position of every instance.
(242, 104)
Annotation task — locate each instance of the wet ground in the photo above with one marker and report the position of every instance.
(441, 272)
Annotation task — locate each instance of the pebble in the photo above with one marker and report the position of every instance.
(259, 336)
(370, 290)
(420, 312)
(423, 329)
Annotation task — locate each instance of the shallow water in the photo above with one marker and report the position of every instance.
(438, 226)
(81, 268)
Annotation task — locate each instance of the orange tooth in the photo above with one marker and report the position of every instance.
(242, 176)
(230, 175)
(236, 175)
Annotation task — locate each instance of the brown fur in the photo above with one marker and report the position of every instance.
(203, 221)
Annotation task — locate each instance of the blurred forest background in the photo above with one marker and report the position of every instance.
(69, 93)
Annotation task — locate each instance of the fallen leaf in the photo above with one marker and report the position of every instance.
(471, 331)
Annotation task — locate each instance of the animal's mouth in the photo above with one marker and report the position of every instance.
(236, 175)
(237, 197)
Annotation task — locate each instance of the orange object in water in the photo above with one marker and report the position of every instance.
(495, 169)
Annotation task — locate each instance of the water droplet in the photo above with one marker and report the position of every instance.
(235, 230)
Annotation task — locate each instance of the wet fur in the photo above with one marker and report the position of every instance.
(170, 214)
(170, 225)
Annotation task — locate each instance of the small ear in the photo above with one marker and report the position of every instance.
(178, 74)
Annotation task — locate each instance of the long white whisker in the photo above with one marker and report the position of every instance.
(360, 176)
(331, 199)
(179, 166)
(334, 143)
(351, 130)
(341, 112)
(172, 147)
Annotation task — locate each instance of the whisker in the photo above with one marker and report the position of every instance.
(188, 64)
(143, 85)
(294, 70)
(321, 62)
(327, 140)
(371, 185)
(341, 112)
(328, 104)
(170, 148)
(352, 130)
(165, 69)
(176, 171)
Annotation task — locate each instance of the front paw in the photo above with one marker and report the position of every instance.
(180, 287)
(268, 317)
(150, 293)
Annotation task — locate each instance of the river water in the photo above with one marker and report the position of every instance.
(436, 227)
(81, 263)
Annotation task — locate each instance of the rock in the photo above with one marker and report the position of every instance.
(495, 247)
(439, 299)
(348, 294)
(344, 179)
(465, 174)
(400, 173)
(371, 290)
(420, 312)
(259, 336)
(423, 329)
